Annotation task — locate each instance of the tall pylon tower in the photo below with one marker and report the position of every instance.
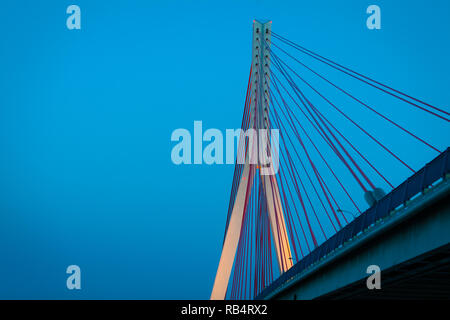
(259, 115)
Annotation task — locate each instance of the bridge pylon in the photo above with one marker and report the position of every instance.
(259, 115)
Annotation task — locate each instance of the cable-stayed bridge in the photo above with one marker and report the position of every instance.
(312, 207)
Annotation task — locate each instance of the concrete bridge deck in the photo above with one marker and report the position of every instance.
(410, 244)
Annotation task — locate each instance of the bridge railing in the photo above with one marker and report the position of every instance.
(414, 185)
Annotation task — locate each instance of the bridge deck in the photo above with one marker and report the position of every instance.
(420, 189)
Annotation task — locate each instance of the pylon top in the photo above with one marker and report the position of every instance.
(262, 21)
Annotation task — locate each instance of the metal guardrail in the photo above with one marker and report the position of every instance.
(417, 183)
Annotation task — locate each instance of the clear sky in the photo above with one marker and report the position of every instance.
(86, 116)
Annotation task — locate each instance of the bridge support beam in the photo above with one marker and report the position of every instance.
(261, 84)
(259, 115)
(232, 235)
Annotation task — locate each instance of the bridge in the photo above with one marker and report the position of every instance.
(289, 232)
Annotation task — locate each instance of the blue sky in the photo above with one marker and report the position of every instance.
(86, 117)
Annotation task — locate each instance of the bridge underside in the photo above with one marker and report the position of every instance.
(412, 249)
(425, 277)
